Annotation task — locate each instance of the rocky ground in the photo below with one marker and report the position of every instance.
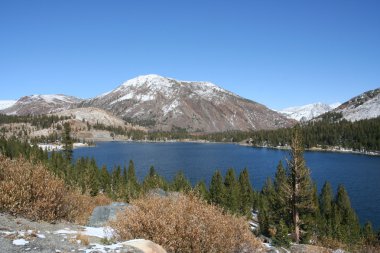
(22, 235)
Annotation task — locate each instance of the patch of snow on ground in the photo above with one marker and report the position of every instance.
(20, 242)
(103, 248)
(101, 232)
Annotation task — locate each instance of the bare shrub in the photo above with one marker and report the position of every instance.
(185, 224)
(32, 191)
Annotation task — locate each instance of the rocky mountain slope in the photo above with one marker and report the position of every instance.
(6, 104)
(41, 104)
(93, 116)
(307, 112)
(166, 104)
(364, 106)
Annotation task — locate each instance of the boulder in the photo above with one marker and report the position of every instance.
(103, 214)
(143, 246)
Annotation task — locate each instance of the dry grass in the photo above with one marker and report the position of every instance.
(30, 190)
(185, 224)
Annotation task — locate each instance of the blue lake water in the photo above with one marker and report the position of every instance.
(360, 174)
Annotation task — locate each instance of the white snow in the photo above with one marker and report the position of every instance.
(100, 232)
(170, 107)
(307, 112)
(20, 242)
(369, 109)
(146, 88)
(4, 104)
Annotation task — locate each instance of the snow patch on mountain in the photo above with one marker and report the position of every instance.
(309, 111)
(4, 104)
(364, 106)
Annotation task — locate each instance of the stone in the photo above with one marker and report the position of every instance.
(145, 246)
(103, 214)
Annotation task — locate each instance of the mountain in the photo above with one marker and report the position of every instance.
(307, 112)
(364, 106)
(167, 104)
(41, 104)
(6, 103)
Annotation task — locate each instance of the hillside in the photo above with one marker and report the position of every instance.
(364, 106)
(166, 104)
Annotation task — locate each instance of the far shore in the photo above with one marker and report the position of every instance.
(313, 149)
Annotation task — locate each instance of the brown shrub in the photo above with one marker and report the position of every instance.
(32, 191)
(185, 224)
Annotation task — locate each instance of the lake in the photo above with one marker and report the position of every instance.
(360, 174)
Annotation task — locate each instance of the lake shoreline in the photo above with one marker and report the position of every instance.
(313, 149)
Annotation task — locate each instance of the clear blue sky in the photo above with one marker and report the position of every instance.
(279, 53)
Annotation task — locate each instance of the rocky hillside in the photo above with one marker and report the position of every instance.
(41, 104)
(307, 112)
(364, 106)
(93, 116)
(167, 104)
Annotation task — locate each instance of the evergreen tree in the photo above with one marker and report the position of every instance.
(153, 180)
(67, 142)
(201, 190)
(180, 183)
(266, 217)
(133, 187)
(232, 197)
(326, 201)
(301, 186)
(217, 189)
(281, 237)
(280, 201)
(246, 192)
(368, 234)
(105, 180)
(348, 227)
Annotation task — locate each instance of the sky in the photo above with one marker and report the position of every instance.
(279, 53)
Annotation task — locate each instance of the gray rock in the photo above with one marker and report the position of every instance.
(103, 214)
(158, 192)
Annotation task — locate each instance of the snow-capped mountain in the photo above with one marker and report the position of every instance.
(307, 112)
(364, 106)
(6, 103)
(166, 104)
(41, 104)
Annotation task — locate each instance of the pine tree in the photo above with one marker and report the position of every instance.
(201, 190)
(301, 191)
(280, 201)
(232, 197)
(105, 180)
(217, 189)
(67, 142)
(180, 183)
(326, 201)
(348, 223)
(368, 234)
(133, 187)
(246, 192)
(266, 216)
(281, 237)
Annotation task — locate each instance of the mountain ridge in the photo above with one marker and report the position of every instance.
(168, 104)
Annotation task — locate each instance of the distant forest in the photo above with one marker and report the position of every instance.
(330, 130)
